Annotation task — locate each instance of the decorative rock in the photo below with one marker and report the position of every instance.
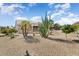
(27, 53)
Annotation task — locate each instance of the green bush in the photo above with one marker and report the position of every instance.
(8, 31)
(75, 27)
(11, 30)
(68, 29)
(4, 31)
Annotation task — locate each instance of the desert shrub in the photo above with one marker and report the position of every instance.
(13, 30)
(44, 26)
(4, 31)
(43, 30)
(11, 35)
(8, 31)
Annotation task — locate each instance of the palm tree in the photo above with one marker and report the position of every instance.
(44, 26)
(25, 26)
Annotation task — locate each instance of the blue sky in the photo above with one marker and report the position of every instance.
(62, 13)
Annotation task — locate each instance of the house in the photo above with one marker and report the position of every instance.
(34, 27)
(17, 26)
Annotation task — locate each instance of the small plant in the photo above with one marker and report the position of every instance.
(11, 35)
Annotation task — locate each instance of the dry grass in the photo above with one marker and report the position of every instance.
(54, 45)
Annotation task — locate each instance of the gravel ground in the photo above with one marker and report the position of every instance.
(55, 45)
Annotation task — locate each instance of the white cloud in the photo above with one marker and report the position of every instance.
(16, 13)
(71, 15)
(60, 9)
(36, 19)
(57, 6)
(59, 13)
(31, 4)
(33, 19)
(63, 21)
(63, 11)
(62, 14)
(51, 5)
(20, 18)
(17, 5)
(10, 9)
(1, 4)
(65, 6)
(48, 12)
(53, 15)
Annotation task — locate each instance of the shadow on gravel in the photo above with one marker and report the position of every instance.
(31, 39)
(60, 40)
(76, 41)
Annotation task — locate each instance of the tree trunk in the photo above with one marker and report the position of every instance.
(66, 36)
(33, 34)
(26, 32)
(23, 31)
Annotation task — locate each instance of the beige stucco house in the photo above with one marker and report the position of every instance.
(34, 27)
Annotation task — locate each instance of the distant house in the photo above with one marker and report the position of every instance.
(34, 27)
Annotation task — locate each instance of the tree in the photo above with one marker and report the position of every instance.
(75, 26)
(76, 29)
(44, 26)
(25, 26)
(57, 26)
(68, 29)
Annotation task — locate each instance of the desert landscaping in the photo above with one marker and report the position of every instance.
(54, 45)
(39, 29)
(44, 39)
